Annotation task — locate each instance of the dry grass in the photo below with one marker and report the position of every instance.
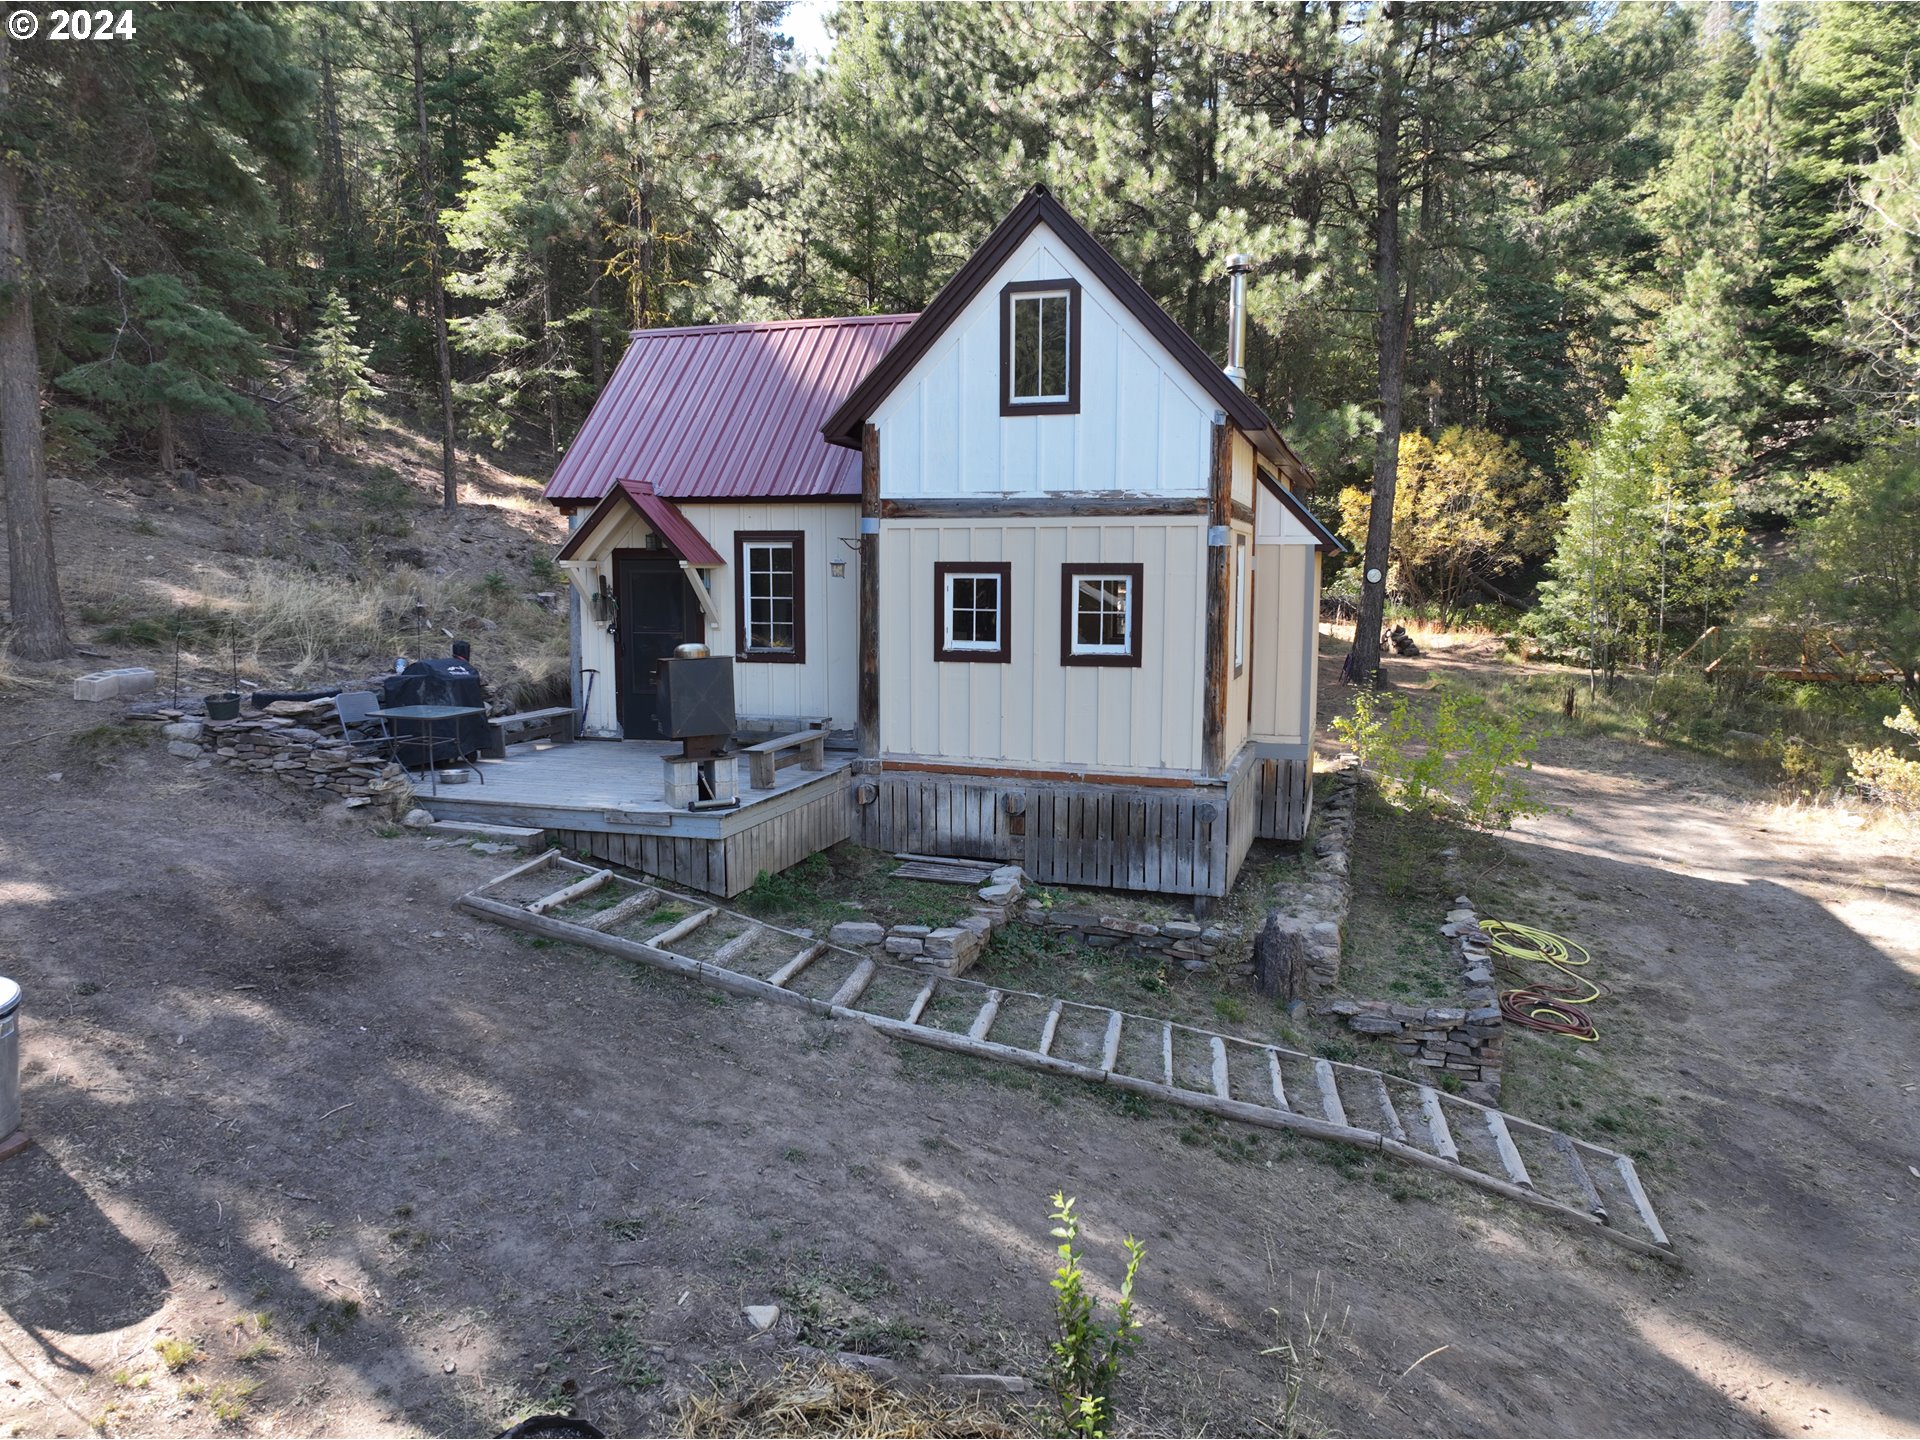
(292, 624)
(832, 1399)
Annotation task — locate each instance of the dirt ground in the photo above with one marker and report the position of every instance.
(271, 1072)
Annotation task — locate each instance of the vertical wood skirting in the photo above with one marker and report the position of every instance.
(1285, 799)
(869, 722)
(1188, 841)
(1219, 604)
(724, 867)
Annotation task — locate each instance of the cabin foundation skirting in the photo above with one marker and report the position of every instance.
(728, 865)
(1171, 840)
(1284, 798)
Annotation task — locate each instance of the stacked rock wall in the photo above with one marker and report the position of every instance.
(298, 755)
(1466, 1040)
(1316, 909)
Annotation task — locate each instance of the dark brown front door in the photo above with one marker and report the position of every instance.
(657, 612)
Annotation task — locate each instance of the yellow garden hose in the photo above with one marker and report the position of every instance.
(1550, 1005)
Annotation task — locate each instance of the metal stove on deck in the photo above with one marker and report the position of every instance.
(696, 708)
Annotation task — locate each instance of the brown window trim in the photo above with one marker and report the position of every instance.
(1072, 571)
(798, 540)
(941, 570)
(1068, 406)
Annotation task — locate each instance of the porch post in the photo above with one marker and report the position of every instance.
(1213, 726)
(869, 591)
(575, 679)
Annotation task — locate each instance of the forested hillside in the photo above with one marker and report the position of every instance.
(1658, 260)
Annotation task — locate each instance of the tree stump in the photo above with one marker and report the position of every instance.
(1279, 962)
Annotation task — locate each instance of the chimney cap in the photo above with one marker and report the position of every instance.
(1239, 264)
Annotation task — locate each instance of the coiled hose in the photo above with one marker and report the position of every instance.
(1556, 1006)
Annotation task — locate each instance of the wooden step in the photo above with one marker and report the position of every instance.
(733, 949)
(1279, 1085)
(1051, 1028)
(666, 938)
(1510, 1160)
(1630, 1178)
(1110, 1051)
(572, 892)
(1588, 1190)
(1330, 1105)
(1389, 1115)
(854, 986)
(643, 899)
(784, 975)
(519, 837)
(1166, 1054)
(1437, 1129)
(1220, 1085)
(983, 1022)
(921, 1001)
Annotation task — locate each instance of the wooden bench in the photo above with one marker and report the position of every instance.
(555, 724)
(764, 760)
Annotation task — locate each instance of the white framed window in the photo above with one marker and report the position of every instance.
(1100, 614)
(1239, 603)
(770, 602)
(1040, 348)
(972, 619)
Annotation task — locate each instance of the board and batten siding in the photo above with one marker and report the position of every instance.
(1143, 425)
(1033, 711)
(1286, 596)
(823, 685)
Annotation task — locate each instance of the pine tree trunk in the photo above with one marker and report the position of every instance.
(1392, 334)
(336, 161)
(596, 269)
(550, 334)
(39, 624)
(169, 442)
(430, 218)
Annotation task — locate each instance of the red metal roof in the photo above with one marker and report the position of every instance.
(727, 412)
(665, 518)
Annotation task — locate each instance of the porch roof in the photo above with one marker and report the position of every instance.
(676, 532)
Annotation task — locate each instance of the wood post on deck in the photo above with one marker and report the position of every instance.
(869, 718)
(1213, 729)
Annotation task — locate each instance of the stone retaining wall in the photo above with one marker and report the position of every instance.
(1467, 1040)
(1316, 910)
(296, 754)
(949, 949)
(1196, 946)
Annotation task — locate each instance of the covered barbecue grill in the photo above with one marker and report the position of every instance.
(437, 682)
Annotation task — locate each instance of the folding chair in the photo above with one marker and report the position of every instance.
(360, 725)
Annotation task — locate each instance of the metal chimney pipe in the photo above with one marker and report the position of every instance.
(1237, 268)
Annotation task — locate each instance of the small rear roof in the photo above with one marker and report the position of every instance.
(727, 412)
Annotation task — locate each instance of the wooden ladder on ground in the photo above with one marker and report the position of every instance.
(1238, 1079)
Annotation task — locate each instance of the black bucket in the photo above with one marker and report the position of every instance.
(224, 706)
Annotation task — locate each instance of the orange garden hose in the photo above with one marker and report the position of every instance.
(1556, 1005)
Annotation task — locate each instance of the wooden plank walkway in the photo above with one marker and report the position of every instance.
(1589, 1186)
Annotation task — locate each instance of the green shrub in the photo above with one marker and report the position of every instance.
(1088, 1353)
(1885, 776)
(1458, 756)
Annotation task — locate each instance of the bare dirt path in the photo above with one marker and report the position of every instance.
(271, 1070)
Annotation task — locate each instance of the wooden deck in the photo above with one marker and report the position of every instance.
(608, 799)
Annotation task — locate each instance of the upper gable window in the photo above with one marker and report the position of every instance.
(1040, 348)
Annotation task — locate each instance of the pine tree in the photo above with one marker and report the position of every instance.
(166, 355)
(340, 370)
(1650, 549)
(39, 622)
